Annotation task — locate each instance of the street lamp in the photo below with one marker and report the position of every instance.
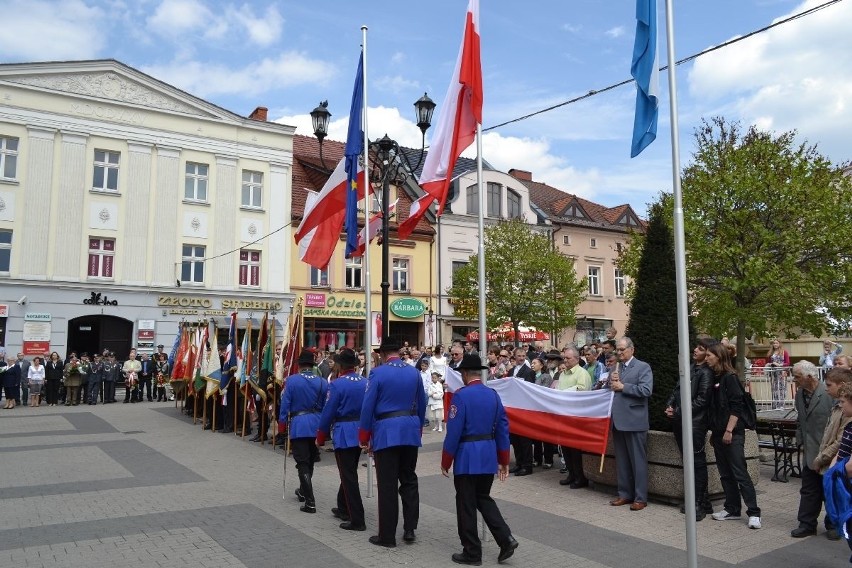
(389, 165)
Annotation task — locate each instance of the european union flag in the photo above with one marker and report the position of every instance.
(354, 149)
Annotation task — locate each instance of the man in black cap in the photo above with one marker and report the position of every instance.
(301, 405)
(392, 426)
(340, 417)
(477, 446)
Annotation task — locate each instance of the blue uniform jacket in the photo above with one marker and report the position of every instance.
(342, 409)
(395, 386)
(476, 411)
(304, 392)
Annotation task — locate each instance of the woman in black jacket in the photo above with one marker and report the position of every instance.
(53, 378)
(728, 438)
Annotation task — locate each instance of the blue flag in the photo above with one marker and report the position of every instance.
(230, 354)
(645, 70)
(175, 347)
(354, 149)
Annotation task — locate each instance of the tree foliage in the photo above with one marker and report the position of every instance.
(653, 313)
(525, 281)
(767, 224)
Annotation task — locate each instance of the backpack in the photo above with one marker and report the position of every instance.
(749, 413)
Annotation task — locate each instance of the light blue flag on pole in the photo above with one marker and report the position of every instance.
(354, 148)
(645, 70)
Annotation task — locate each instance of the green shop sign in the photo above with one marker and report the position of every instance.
(408, 308)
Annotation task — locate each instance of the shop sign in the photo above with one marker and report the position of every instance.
(200, 305)
(98, 299)
(36, 336)
(4, 310)
(408, 308)
(314, 300)
(37, 316)
(337, 307)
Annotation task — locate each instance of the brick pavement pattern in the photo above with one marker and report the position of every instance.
(141, 487)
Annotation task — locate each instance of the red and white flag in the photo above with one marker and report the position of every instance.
(456, 128)
(577, 419)
(375, 225)
(322, 221)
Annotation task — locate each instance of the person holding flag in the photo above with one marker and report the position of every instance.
(343, 410)
(301, 404)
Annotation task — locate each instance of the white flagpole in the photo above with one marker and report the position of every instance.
(368, 192)
(682, 316)
(483, 332)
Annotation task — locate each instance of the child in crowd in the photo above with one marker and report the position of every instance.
(436, 401)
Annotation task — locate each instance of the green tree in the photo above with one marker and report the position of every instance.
(526, 280)
(653, 313)
(767, 224)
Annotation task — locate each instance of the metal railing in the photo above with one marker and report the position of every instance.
(772, 388)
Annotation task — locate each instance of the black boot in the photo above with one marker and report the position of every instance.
(307, 490)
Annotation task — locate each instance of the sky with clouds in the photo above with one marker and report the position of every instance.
(288, 55)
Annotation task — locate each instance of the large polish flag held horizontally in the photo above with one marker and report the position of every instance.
(575, 419)
(456, 128)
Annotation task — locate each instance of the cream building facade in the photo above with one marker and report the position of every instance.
(127, 205)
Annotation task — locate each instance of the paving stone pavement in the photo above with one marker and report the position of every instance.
(141, 486)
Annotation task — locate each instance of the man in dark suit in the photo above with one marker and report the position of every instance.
(632, 383)
(145, 376)
(522, 446)
(813, 405)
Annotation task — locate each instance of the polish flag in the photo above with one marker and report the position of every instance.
(330, 200)
(316, 247)
(456, 128)
(576, 419)
(375, 226)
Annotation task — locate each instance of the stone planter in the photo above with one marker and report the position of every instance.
(665, 467)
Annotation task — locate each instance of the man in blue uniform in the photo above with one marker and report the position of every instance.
(340, 417)
(301, 405)
(391, 426)
(477, 446)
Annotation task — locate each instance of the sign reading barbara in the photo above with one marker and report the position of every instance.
(408, 308)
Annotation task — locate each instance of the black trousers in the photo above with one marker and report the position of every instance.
(574, 463)
(699, 456)
(543, 451)
(51, 388)
(473, 493)
(733, 473)
(144, 385)
(810, 500)
(395, 471)
(305, 453)
(523, 451)
(109, 391)
(349, 494)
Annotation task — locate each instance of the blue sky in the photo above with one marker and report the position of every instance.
(289, 55)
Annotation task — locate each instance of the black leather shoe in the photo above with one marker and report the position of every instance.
(515, 469)
(208, 426)
(802, 532)
(523, 472)
(339, 514)
(349, 526)
(299, 496)
(226, 431)
(579, 484)
(507, 550)
(462, 558)
(408, 536)
(567, 481)
(308, 508)
(379, 542)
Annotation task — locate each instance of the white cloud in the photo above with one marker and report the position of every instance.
(795, 76)
(264, 30)
(173, 18)
(397, 58)
(396, 84)
(257, 77)
(570, 28)
(48, 31)
(615, 32)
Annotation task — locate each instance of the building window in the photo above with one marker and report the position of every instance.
(192, 264)
(106, 171)
(594, 281)
(249, 268)
(593, 243)
(494, 196)
(353, 273)
(8, 157)
(5, 250)
(472, 200)
(566, 240)
(619, 283)
(101, 257)
(619, 248)
(400, 275)
(195, 184)
(319, 277)
(457, 265)
(252, 187)
(513, 204)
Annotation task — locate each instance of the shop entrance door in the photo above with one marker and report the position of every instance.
(93, 334)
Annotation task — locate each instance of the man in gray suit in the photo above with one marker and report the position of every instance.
(813, 405)
(632, 383)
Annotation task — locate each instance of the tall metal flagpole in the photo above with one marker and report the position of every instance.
(483, 332)
(368, 192)
(682, 316)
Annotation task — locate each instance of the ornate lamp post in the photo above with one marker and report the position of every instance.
(389, 165)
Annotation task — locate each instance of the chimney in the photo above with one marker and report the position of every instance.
(522, 175)
(259, 114)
